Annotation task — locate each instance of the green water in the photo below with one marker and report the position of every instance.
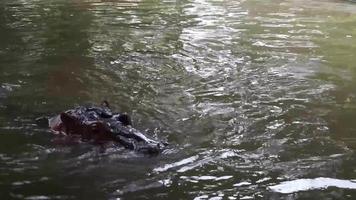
(249, 93)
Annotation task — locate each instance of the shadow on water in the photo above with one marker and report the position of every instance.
(255, 97)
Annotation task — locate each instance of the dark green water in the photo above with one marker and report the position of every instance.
(249, 93)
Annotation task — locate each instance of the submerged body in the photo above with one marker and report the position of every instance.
(100, 124)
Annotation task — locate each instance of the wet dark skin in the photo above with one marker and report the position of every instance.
(100, 124)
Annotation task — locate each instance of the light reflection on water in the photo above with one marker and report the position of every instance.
(312, 184)
(249, 94)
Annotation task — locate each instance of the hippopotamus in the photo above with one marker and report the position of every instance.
(100, 124)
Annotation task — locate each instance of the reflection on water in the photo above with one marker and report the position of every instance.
(256, 98)
(312, 184)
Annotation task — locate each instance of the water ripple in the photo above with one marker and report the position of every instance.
(248, 93)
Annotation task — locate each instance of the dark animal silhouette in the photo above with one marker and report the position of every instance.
(100, 124)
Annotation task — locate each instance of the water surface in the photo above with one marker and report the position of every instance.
(251, 95)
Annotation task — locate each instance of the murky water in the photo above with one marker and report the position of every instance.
(257, 98)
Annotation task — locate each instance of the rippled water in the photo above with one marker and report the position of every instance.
(255, 97)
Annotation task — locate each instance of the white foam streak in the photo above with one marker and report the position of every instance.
(312, 184)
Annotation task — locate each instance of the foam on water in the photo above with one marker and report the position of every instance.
(312, 184)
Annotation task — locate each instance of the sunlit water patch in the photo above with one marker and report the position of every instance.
(312, 184)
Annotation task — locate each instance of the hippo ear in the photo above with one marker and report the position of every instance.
(105, 103)
(125, 119)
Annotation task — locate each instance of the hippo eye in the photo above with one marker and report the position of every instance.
(95, 128)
